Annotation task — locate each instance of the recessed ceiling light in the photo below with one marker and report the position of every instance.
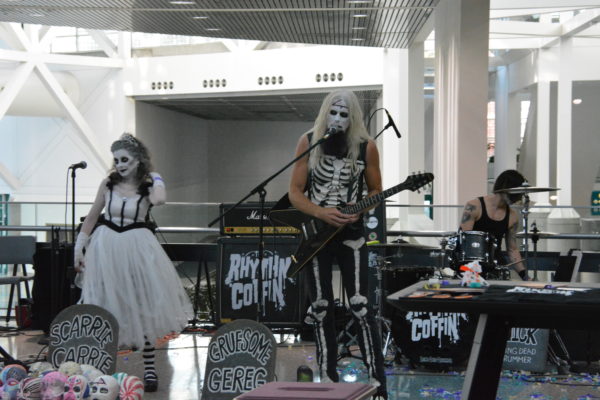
(213, 29)
(577, 101)
(200, 17)
(357, 28)
(356, 39)
(359, 1)
(360, 15)
(36, 15)
(182, 2)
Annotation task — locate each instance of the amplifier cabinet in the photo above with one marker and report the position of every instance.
(244, 220)
(238, 285)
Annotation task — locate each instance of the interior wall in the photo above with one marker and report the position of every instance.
(242, 154)
(214, 161)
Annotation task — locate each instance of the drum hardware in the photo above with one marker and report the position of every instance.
(385, 325)
(534, 238)
(525, 189)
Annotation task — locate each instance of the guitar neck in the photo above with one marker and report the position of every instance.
(372, 200)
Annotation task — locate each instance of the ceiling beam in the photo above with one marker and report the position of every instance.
(102, 40)
(9, 178)
(14, 86)
(15, 36)
(575, 25)
(541, 4)
(82, 127)
(523, 28)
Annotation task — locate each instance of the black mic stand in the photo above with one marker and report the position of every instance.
(73, 206)
(381, 131)
(262, 193)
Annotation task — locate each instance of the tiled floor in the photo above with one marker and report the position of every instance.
(181, 364)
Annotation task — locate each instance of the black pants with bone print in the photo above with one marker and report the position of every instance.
(349, 250)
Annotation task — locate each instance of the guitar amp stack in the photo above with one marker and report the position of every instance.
(244, 220)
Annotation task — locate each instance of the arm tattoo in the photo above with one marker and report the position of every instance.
(511, 238)
(467, 213)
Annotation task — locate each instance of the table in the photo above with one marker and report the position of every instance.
(496, 318)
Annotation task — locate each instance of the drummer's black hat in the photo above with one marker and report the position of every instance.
(508, 179)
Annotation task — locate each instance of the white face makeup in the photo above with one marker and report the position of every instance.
(338, 116)
(125, 164)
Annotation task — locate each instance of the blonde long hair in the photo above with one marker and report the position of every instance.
(356, 133)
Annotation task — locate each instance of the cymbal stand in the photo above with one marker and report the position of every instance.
(534, 239)
(525, 214)
(385, 325)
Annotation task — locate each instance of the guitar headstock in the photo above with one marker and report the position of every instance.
(417, 181)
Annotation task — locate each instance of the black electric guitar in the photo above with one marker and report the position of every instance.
(316, 233)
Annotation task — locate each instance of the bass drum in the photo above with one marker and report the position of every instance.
(437, 341)
(397, 278)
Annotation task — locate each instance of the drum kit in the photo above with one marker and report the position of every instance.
(468, 246)
(457, 250)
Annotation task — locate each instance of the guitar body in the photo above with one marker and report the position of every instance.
(315, 234)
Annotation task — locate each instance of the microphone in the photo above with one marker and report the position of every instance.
(330, 132)
(392, 124)
(81, 164)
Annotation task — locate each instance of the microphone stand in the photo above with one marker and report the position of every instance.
(73, 206)
(262, 193)
(381, 131)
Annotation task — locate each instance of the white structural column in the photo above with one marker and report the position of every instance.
(393, 68)
(542, 160)
(565, 220)
(538, 215)
(403, 98)
(507, 124)
(461, 93)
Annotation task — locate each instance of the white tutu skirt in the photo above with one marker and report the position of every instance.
(130, 275)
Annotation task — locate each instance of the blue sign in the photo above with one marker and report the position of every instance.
(596, 202)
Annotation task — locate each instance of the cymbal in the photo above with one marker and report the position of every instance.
(526, 189)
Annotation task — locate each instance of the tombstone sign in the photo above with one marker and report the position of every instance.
(85, 334)
(526, 349)
(241, 357)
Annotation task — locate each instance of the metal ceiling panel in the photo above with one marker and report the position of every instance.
(375, 23)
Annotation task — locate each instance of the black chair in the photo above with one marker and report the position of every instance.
(16, 250)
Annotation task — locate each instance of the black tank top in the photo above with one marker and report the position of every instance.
(496, 228)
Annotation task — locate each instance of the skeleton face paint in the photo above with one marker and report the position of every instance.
(338, 116)
(125, 164)
(29, 389)
(53, 385)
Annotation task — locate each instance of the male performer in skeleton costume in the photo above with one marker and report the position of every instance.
(336, 173)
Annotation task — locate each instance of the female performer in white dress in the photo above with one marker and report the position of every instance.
(126, 270)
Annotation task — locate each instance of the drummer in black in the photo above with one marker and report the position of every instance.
(492, 214)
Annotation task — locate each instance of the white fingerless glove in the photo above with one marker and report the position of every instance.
(80, 244)
(157, 180)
